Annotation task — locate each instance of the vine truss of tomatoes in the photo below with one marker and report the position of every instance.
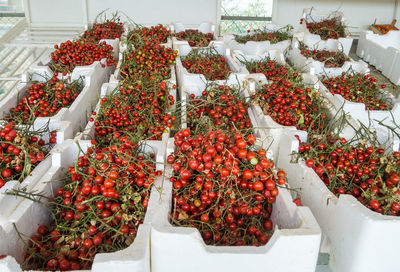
(329, 58)
(290, 102)
(272, 69)
(21, 150)
(139, 108)
(234, 211)
(218, 107)
(265, 35)
(149, 59)
(327, 29)
(223, 185)
(207, 61)
(357, 168)
(144, 36)
(45, 99)
(70, 54)
(110, 29)
(194, 37)
(359, 88)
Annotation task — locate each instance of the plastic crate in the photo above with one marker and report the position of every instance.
(29, 215)
(382, 51)
(318, 68)
(355, 236)
(311, 15)
(253, 47)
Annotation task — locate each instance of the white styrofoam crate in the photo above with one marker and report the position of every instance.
(355, 236)
(382, 51)
(358, 112)
(318, 68)
(296, 234)
(8, 202)
(253, 47)
(185, 78)
(29, 215)
(78, 112)
(204, 27)
(311, 15)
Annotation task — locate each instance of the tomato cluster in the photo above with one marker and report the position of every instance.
(327, 29)
(195, 37)
(262, 35)
(220, 106)
(207, 62)
(223, 187)
(151, 58)
(290, 102)
(139, 108)
(45, 99)
(359, 88)
(110, 29)
(70, 54)
(151, 35)
(21, 151)
(329, 58)
(98, 209)
(272, 69)
(356, 168)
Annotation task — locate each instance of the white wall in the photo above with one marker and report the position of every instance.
(358, 13)
(78, 12)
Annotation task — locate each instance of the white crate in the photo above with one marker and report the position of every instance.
(296, 233)
(8, 202)
(78, 112)
(253, 47)
(204, 27)
(185, 78)
(358, 112)
(358, 239)
(382, 51)
(316, 67)
(30, 215)
(311, 15)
